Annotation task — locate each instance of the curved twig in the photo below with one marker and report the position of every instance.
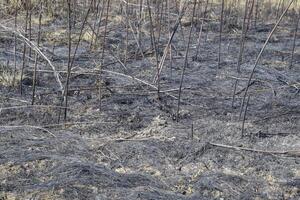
(35, 48)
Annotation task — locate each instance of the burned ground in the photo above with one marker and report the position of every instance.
(129, 144)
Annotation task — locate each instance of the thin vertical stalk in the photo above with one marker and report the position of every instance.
(220, 34)
(135, 38)
(250, 15)
(205, 14)
(24, 47)
(155, 47)
(169, 32)
(256, 13)
(185, 59)
(105, 32)
(103, 52)
(15, 44)
(127, 35)
(99, 22)
(294, 41)
(242, 39)
(36, 55)
(29, 23)
(139, 25)
(81, 32)
(160, 21)
(279, 8)
(244, 117)
(201, 29)
(94, 26)
(260, 54)
(166, 50)
(69, 59)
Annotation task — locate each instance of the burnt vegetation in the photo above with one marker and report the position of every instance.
(146, 99)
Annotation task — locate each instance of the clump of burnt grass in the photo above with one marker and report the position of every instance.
(9, 77)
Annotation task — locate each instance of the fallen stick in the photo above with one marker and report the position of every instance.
(27, 127)
(295, 153)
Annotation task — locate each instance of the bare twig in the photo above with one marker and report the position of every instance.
(295, 153)
(186, 58)
(166, 50)
(27, 126)
(260, 54)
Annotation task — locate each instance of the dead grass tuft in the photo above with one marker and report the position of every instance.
(8, 79)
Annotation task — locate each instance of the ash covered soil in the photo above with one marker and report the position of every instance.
(129, 145)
